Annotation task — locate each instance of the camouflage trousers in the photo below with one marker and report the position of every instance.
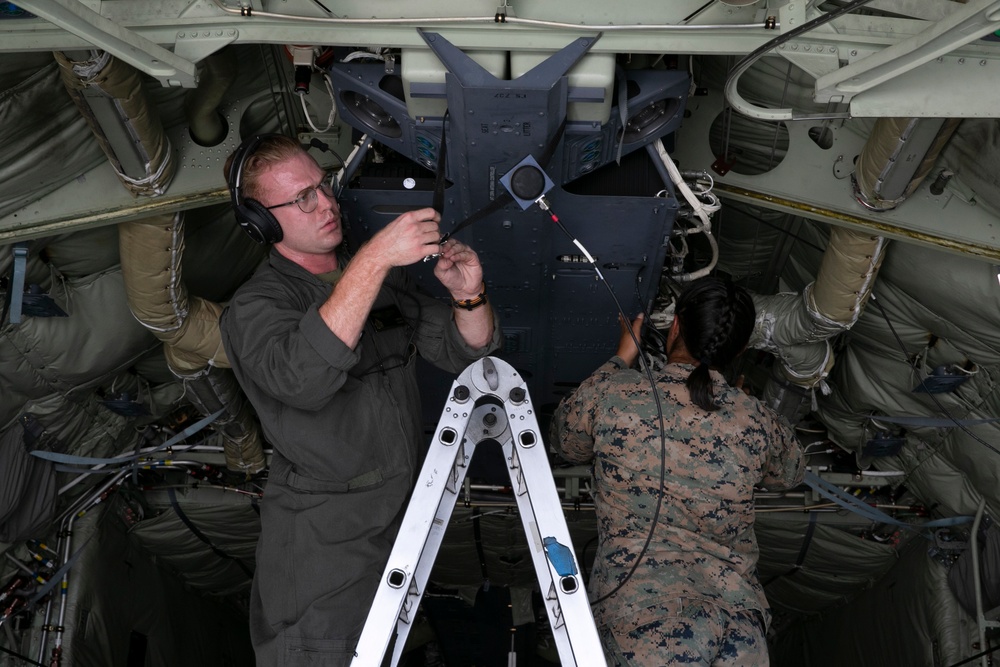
(688, 632)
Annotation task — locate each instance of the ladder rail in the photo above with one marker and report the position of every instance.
(541, 511)
(488, 402)
(415, 549)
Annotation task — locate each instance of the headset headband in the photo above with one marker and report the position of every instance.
(235, 176)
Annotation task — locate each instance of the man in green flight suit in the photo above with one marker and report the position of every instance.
(323, 345)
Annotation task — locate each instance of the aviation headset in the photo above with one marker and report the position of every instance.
(253, 216)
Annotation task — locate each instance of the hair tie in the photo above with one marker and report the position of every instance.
(704, 361)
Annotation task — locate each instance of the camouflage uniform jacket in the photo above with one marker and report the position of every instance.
(704, 545)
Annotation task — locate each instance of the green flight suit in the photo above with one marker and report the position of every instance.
(346, 429)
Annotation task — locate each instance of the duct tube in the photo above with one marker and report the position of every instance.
(151, 250)
(784, 328)
(831, 304)
(216, 74)
(847, 275)
(898, 155)
(798, 328)
(214, 388)
(111, 97)
(791, 387)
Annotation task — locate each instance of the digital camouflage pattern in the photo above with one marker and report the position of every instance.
(704, 547)
(693, 633)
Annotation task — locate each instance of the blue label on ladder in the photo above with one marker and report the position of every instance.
(560, 556)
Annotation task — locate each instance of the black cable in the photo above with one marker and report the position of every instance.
(661, 340)
(656, 397)
(273, 87)
(477, 533)
(975, 657)
(5, 306)
(782, 230)
(803, 550)
(583, 561)
(505, 197)
(204, 538)
(750, 59)
(325, 147)
(438, 201)
(21, 657)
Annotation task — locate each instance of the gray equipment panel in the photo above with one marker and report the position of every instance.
(559, 321)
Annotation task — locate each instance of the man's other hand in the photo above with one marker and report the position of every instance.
(409, 238)
(459, 270)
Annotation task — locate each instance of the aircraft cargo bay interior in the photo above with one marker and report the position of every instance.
(835, 160)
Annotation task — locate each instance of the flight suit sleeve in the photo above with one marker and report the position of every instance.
(289, 354)
(571, 432)
(437, 337)
(785, 465)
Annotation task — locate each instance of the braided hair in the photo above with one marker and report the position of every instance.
(716, 318)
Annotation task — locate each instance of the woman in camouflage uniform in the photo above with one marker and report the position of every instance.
(675, 577)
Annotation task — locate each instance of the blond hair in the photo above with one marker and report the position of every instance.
(273, 149)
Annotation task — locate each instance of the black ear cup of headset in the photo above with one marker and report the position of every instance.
(259, 223)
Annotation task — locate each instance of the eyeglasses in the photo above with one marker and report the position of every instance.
(309, 200)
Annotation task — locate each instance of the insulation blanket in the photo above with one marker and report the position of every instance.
(27, 489)
(32, 90)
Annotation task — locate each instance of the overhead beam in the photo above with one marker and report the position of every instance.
(124, 44)
(928, 10)
(814, 182)
(193, 29)
(974, 20)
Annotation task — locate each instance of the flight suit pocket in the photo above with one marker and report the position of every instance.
(283, 472)
(366, 480)
(312, 652)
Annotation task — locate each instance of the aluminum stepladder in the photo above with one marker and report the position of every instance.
(488, 401)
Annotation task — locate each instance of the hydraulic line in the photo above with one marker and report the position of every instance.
(70, 515)
(247, 11)
(126, 123)
(742, 106)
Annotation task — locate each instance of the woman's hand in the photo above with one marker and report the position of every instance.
(627, 349)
